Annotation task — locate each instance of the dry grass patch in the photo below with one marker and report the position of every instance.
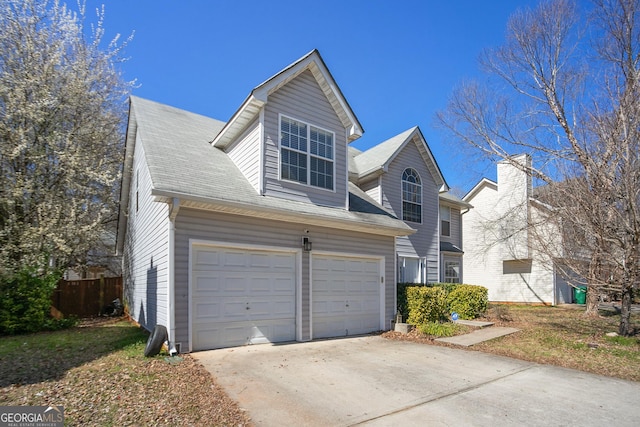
(100, 376)
(565, 337)
(561, 336)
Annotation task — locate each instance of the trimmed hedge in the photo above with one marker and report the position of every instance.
(469, 301)
(426, 304)
(25, 301)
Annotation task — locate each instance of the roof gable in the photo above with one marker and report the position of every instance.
(376, 160)
(484, 183)
(258, 97)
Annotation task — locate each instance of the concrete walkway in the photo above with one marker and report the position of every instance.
(485, 331)
(479, 335)
(378, 382)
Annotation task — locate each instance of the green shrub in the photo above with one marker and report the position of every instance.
(426, 304)
(438, 329)
(468, 301)
(448, 287)
(25, 301)
(401, 293)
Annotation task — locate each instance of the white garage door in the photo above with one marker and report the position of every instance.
(241, 296)
(346, 296)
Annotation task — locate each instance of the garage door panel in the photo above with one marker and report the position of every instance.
(346, 295)
(220, 309)
(242, 297)
(275, 307)
(328, 306)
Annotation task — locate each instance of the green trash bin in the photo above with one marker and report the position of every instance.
(580, 294)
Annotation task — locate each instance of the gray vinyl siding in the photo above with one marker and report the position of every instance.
(455, 229)
(236, 229)
(302, 99)
(372, 188)
(145, 253)
(245, 153)
(424, 243)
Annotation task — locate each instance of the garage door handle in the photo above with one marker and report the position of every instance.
(247, 307)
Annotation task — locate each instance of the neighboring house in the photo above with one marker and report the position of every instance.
(249, 231)
(98, 262)
(498, 239)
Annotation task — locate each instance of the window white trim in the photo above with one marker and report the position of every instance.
(456, 266)
(419, 263)
(448, 220)
(418, 192)
(308, 153)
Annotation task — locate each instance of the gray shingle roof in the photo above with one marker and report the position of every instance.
(451, 198)
(450, 247)
(378, 156)
(184, 164)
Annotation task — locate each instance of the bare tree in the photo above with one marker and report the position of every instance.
(62, 111)
(564, 88)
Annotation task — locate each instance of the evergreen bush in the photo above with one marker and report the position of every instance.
(468, 301)
(426, 304)
(25, 301)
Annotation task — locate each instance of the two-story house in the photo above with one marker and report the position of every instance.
(503, 234)
(255, 230)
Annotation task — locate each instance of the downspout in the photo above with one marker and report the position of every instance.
(174, 207)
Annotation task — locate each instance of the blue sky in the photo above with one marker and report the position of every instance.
(396, 62)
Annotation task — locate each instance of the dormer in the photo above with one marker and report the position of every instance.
(289, 138)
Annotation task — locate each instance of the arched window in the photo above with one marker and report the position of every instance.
(411, 196)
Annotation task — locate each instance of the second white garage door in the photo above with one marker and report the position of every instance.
(241, 296)
(346, 295)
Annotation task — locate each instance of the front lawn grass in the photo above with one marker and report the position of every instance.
(564, 336)
(99, 374)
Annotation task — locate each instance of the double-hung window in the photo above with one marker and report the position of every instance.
(306, 154)
(445, 221)
(411, 196)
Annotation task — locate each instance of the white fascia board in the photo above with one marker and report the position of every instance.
(238, 122)
(484, 182)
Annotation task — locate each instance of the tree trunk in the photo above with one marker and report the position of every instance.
(593, 300)
(625, 311)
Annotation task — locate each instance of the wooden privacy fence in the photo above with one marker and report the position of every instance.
(86, 297)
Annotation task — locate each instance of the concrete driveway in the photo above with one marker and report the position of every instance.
(377, 382)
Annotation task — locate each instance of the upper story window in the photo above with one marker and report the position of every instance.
(411, 196)
(445, 221)
(306, 154)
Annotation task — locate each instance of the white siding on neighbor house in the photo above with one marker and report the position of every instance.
(145, 252)
(424, 243)
(302, 99)
(510, 269)
(245, 153)
(194, 224)
(514, 189)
